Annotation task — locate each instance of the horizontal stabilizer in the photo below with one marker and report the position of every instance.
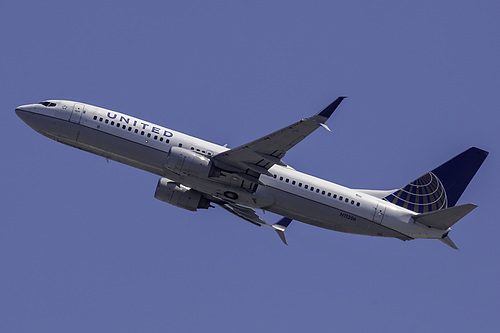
(444, 218)
(446, 240)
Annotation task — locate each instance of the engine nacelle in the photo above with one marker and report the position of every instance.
(189, 163)
(180, 195)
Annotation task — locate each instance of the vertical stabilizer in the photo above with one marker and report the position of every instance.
(442, 187)
(457, 173)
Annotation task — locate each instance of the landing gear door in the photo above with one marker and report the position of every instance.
(378, 217)
(76, 115)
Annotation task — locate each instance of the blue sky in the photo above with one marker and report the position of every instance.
(85, 247)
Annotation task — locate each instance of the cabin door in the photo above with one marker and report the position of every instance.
(76, 115)
(378, 217)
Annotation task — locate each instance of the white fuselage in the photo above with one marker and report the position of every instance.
(286, 192)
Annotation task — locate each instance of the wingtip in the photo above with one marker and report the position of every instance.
(283, 223)
(280, 228)
(328, 111)
(481, 150)
(282, 236)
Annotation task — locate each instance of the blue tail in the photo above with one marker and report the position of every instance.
(442, 187)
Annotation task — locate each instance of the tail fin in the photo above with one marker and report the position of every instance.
(442, 187)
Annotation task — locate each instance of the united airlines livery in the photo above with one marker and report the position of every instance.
(194, 174)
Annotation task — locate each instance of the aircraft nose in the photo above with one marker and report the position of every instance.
(21, 112)
(25, 112)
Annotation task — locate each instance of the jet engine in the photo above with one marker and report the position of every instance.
(180, 195)
(189, 163)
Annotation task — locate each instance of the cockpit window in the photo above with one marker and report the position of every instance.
(49, 104)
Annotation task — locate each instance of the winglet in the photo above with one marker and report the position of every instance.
(327, 112)
(280, 228)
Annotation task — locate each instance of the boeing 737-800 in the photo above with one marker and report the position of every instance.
(196, 173)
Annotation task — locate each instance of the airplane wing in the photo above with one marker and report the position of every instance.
(255, 158)
(245, 213)
(251, 216)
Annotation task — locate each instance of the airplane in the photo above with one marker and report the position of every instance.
(194, 174)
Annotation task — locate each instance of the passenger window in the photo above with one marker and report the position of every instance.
(180, 144)
(335, 196)
(293, 182)
(274, 176)
(358, 204)
(136, 131)
(156, 137)
(323, 192)
(300, 184)
(118, 124)
(167, 141)
(341, 198)
(142, 132)
(106, 121)
(112, 123)
(317, 190)
(161, 139)
(100, 119)
(149, 135)
(130, 129)
(347, 200)
(312, 188)
(329, 194)
(287, 180)
(124, 126)
(305, 186)
(95, 117)
(281, 178)
(352, 202)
